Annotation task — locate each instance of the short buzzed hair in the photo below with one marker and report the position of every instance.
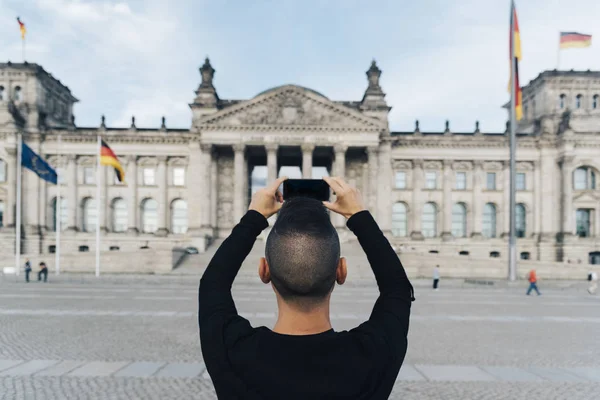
(303, 252)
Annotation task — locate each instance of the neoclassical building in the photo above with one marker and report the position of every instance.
(434, 192)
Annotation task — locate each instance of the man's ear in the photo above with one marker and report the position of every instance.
(341, 272)
(263, 270)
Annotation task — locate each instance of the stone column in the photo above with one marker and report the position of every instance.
(371, 191)
(132, 202)
(213, 190)
(163, 205)
(567, 195)
(447, 218)
(307, 159)
(238, 182)
(105, 203)
(11, 167)
(271, 162)
(550, 196)
(477, 205)
(417, 204)
(340, 171)
(537, 198)
(506, 198)
(73, 202)
(42, 206)
(206, 185)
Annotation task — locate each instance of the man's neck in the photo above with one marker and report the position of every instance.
(291, 321)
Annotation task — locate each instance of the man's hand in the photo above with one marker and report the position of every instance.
(348, 199)
(268, 200)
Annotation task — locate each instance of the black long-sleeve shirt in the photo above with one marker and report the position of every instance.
(257, 363)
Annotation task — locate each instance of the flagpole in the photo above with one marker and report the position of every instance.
(558, 53)
(98, 208)
(18, 221)
(58, 213)
(512, 248)
(23, 48)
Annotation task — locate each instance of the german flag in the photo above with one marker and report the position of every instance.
(22, 28)
(108, 157)
(574, 39)
(515, 51)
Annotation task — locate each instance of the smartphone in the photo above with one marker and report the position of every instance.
(314, 188)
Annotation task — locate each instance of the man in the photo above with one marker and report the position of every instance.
(593, 278)
(532, 276)
(436, 277)
(27, 270)
(303, 357)
(43, 271)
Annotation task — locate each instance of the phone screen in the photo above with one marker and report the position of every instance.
(314, 188)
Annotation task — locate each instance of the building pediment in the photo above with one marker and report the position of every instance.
(587, 197)
(290, 107)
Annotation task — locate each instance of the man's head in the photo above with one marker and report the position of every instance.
(303, 254)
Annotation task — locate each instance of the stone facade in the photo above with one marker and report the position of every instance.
(432, 192)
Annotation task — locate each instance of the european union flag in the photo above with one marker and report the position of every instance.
(35, 163)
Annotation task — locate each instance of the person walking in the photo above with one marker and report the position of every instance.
(593, 278)
(436, 277)
(43, 271)
(532, 276)
(27, 270)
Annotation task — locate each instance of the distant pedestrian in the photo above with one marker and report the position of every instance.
(43, 271)
(27, 270)
(436, 277)
(593, 278)
(532, 276)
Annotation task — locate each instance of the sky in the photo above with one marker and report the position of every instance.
(441, 59)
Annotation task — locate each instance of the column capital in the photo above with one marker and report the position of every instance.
(238, 147)
(270, 147)
(566, 161)
(307, 147)
(372, 150)
(71, 158)
(340, 148)
(447, 164)
(478, 164)
(418, 163)
(161, 159)
(131, 159)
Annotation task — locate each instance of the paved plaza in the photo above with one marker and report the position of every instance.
(127, 337)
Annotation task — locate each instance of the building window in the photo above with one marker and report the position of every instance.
(461, 181)
(583, 222)
(179, 219)
(521, 183)
(149, 216)
(148, 177)
(64, 214)
(491, 181)
(459, 220)
(561, 101)
(399, 220)
(429, 220)
(119, 215)
(1, 93)
(2, 171)
(463, 253)
(489, 221)
(89, 176)
(1, 214)
(114, 248)
(578, 101)
(90, 215)
(584, 179)
(594, 257)
(84, 249)
(18, 95)
(525, 255)
(401, 180)
(520, 221)
(52, 249)
(430, 180)
(595, 101)
(495, 254)
(178, 176)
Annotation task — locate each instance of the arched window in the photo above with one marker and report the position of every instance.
(399, 220)
(595, 102)
(1, 93)
(119, 215)
(578, 101)
(459, 220)
(561, 101)
(1, 214)
(584, 179)
(521, 222)
(18, 95)
(489, 221)
(179, 219)
(64, 214)
(89, 215)
(429, 220)
(2, 171)
(149, 216)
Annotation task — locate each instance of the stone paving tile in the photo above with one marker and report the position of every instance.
(409, 373)
(592, 374)
(29, 367)
(556, 374)
(181, 370)
(512, 374)
(140, 369)
(61, 368)
(454, 373)
(98, 368)
(6, 364)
